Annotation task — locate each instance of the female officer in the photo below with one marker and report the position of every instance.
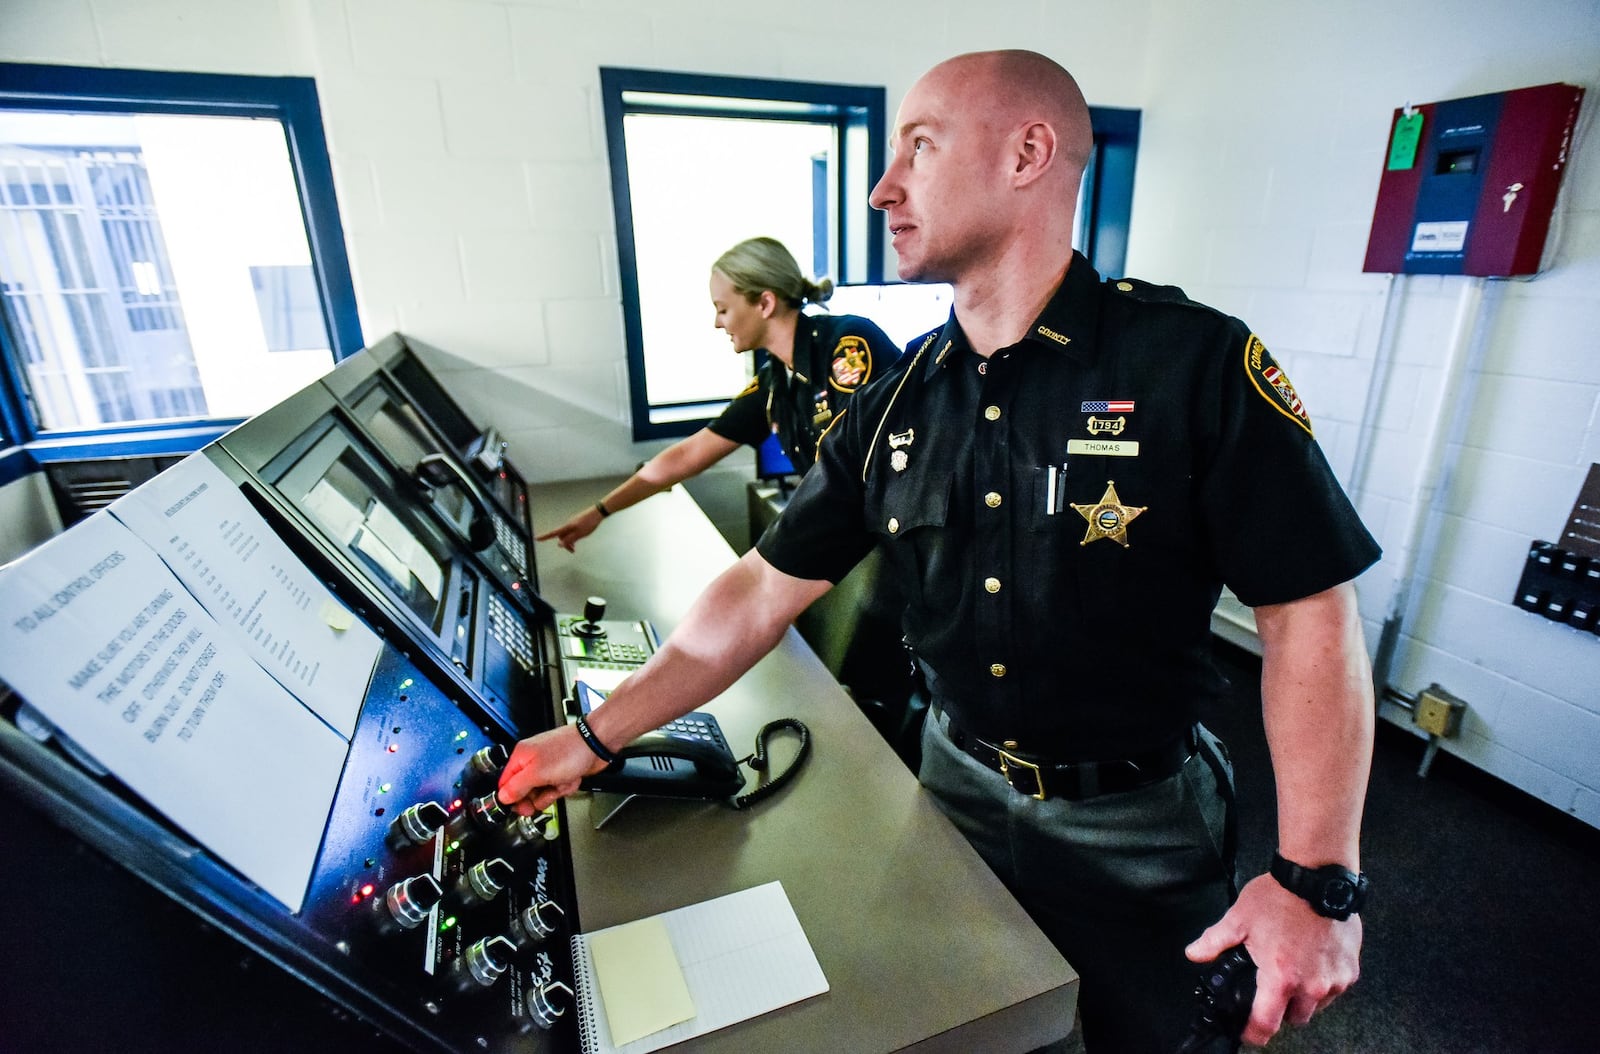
(815, 363)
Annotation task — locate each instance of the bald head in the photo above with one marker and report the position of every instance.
(1015, 87)
(989, 151)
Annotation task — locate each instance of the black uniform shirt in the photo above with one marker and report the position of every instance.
(1003, 491)
(834, 355)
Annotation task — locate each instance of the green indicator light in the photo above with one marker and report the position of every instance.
(407, 683)
(452, 847)
(448, 923)
(461, 735)
(385, 788)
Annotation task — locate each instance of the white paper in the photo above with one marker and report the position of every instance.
(233, 563)
(100, 636)
(742, 955)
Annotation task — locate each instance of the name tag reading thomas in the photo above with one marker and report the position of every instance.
(1108, 447)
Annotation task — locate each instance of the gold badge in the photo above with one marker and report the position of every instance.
(1098, 425)
(852, 364)
(1109, 518)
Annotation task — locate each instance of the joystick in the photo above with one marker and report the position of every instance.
(594, 609)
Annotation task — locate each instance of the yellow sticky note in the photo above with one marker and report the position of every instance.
(337, 615)
(641, 983)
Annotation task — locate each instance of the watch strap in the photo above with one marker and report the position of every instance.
(1333, 891)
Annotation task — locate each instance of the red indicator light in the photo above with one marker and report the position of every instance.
(366, 890)
(516, 585)
(393, 747)
(455, 805)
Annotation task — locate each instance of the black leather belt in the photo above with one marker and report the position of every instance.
(1043, 778)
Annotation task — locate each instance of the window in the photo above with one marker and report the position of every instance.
(699, 163)
(171, 259)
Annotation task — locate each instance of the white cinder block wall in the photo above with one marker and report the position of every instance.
(1264, 139)
(468, 152)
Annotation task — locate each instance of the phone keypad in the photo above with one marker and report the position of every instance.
(697, 727)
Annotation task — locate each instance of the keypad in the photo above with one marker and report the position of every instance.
(511, 544)
(507, 627)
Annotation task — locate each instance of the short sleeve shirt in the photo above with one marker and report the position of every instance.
(1062, 516)
(834, 357)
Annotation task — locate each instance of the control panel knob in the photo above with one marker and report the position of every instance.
(483, 881)
(484, 813)
(407, 902)
(487, 761)
(416, 824)
(594, 609)
(535, 923)
(482, 963)
(534, 829)
(547, 1003)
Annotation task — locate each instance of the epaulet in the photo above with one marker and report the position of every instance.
(1148, 291)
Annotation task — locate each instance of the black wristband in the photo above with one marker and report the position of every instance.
(593, 742)
(600, 507)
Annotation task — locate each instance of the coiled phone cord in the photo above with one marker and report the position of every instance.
(758, 760)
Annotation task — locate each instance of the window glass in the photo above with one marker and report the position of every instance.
(155, 267)
(701, 185)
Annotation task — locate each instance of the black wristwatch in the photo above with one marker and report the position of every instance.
(1333, 892)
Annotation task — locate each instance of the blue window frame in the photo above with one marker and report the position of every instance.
(1105, 203)
(846, 237)
(292, 103)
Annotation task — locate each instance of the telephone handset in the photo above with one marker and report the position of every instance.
(685, 758)
(689, 758)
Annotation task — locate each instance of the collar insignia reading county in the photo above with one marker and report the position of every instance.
(1115, 426)
(899, 460)
(943, 352)
(1273, 384)
(755, 383)
(852, 364)
(1109, 518)
(900, 439)
(1107, 406)
(1050, 334)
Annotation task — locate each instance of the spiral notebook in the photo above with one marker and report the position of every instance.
(740, 955)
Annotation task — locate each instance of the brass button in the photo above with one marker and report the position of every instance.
(1126, 287)
(992, 584)
(992, 413)
(998, 670)
(1010, 744)
(992, 500)
(894, 525)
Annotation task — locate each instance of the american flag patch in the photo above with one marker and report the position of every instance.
(1116, 406)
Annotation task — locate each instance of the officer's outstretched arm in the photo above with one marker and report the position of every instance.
(739, 618)
(683, 459)
(1316, 698)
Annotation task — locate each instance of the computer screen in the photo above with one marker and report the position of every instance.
(903, 310)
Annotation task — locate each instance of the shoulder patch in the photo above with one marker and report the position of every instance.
(852, 364)
(1273, 384)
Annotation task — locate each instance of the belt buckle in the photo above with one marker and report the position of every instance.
(1008, 759)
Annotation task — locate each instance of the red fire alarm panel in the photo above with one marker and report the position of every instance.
(1469, 185)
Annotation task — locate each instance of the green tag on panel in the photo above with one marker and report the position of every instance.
(1403, 147)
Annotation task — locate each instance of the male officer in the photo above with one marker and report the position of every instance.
(1061, 479)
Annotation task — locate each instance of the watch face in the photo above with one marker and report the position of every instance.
(1338, 894)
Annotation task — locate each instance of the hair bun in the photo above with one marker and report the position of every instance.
(819, 291)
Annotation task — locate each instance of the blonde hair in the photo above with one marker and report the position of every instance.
(756, 265)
